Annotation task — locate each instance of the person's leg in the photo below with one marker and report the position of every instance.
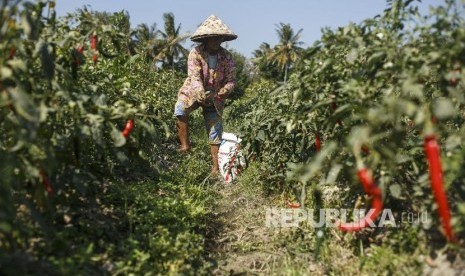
(214, 149)
(182, 124)
(214, 126)
(183, 133)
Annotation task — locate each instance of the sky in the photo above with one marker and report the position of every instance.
(254, 21)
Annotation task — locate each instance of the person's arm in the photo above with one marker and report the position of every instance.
(194, 72)
(230, 78)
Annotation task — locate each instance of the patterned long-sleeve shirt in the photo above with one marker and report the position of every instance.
(201, 78)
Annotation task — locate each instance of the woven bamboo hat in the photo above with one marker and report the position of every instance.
(213, 26)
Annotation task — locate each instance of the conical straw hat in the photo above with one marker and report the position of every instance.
(213, 26)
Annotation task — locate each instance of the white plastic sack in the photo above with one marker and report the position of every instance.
(230, 158)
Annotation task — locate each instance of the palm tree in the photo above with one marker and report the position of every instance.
(262, 54)
(145, 39)
(262, 63)
(288, 49)
(168, 48)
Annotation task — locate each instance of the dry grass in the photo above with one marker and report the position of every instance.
(239, 242)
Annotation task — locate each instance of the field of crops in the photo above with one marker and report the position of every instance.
(371, 116)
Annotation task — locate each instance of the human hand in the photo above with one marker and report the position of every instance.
(208, 100)
(222, 96)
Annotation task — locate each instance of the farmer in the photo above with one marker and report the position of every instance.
(210, 79)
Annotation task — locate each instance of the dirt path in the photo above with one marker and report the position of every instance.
(241, 244)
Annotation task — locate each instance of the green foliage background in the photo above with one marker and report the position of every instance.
(371, 91)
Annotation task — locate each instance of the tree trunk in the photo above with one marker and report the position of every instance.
(285, 73)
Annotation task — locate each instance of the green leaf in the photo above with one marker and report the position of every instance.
(461, 208)
(117, 137)
(395, 190)
(443, 108)
(261, 135)
(133, 59)
(5, 227)
(6, 73)
(333, 174)
(43, 110)
(17, 64)
(48, 60)
(307, 171)
(24, 105)
(412, 88)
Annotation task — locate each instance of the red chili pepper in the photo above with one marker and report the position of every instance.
(76, 61)
(45, 182)
(93, 42)
(454, 81)
(365, 150)
(370, 188)
(432, 151)
(77, 55)
(231, 164)
(93, 45)
(293, 205)
(12, 52)
(317, 142)
(129, 126)
(334, 105)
